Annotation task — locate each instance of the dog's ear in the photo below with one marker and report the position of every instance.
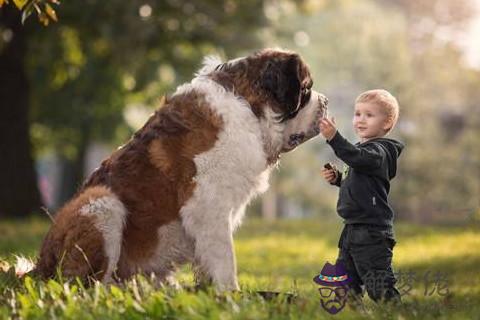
(282, 80)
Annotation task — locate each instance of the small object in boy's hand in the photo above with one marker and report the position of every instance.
(331, 167)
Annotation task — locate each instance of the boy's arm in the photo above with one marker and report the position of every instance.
(369, 156)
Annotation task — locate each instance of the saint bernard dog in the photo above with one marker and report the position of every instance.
(175, 192)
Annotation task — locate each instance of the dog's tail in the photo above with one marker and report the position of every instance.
(21, 267)
(44, 267)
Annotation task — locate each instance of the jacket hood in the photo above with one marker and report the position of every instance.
(394, 149)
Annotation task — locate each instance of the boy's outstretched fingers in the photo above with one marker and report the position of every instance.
(327, 128)
(324, 125)
(330, 122)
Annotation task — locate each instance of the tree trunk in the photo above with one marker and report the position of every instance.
(19, 194)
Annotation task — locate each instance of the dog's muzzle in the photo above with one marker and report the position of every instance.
(306, 125)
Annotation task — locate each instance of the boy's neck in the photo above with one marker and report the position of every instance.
(363, 140)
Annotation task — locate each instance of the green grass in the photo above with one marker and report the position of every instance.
(280, 256)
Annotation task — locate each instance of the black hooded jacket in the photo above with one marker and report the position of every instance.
(365, 183)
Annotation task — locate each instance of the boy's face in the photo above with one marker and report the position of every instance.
(369, 121)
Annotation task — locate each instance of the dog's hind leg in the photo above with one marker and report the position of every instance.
(83, 255)
(109, 219)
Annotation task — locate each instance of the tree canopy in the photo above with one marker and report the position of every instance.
(44, 9)
(102, 65)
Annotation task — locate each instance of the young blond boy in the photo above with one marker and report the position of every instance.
(367, 240)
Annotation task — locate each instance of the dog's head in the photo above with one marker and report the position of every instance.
(278, 87)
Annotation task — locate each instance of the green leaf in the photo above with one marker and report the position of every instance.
(27, 11)
(117, 293)
(50, 12)
(20, 3)
(29, 285)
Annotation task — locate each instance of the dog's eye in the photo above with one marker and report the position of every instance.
(306, 94)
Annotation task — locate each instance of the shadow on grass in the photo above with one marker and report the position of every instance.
(460, 273)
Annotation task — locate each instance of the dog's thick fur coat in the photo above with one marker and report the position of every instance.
(177, 190)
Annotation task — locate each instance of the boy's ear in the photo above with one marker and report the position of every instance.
(387, 126)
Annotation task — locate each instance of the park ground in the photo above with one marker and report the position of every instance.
(437, 266)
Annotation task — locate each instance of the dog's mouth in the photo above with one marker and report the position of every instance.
(312, 129)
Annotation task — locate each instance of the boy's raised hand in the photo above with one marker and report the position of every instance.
(328, 128)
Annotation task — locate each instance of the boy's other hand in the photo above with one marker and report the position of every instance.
(329, 174)
(328, 128)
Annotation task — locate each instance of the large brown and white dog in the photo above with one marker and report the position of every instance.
(177, 190)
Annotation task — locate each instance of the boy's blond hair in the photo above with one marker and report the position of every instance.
(385, 100)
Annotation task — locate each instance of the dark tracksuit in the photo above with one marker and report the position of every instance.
(367, 239)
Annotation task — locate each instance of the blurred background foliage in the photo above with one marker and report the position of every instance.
(412, 49)
(93, 78)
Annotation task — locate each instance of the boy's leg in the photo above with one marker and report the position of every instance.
(345, 258)
(371, 251)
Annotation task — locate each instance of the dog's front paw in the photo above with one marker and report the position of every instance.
(227, 286)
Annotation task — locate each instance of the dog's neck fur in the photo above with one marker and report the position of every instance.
(234, 81)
